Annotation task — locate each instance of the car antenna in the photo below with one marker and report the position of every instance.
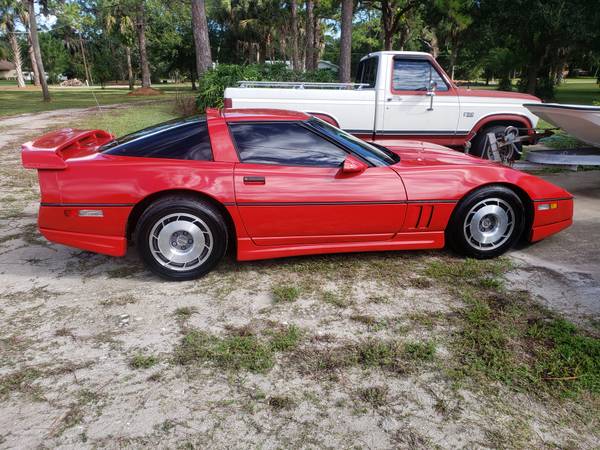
(100, 108)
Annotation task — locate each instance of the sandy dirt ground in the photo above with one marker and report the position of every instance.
(88, 343)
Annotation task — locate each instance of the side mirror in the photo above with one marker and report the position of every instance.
(353, 166)
(432, 87)
(431, 93)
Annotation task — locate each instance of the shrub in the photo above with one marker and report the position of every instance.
(213, 83)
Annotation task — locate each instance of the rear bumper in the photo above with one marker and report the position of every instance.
(107, 245)
(105, 233)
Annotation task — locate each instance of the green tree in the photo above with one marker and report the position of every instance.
(10, 10)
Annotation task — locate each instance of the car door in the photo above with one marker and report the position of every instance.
(408, 109)
(290, 190)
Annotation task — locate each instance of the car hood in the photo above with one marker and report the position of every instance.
(415, 153)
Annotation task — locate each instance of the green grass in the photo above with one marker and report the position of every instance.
(281, 402)
(124, 121)
(285, 294)
(243, 350)
(20, 381)
(13, 101)
(580, 91)
(505, 336)
(376, 396)
(371, 353)
(141, 361)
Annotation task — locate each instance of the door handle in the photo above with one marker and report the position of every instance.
(254, 180)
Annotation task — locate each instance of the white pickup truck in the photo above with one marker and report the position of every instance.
(397, 95)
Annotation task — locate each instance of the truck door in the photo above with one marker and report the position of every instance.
(409, 112)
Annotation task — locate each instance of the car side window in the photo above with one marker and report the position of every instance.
(178, 139)
(284, 143)
(414, 75)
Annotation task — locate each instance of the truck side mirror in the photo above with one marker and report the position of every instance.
(431, 93)
(432, 87)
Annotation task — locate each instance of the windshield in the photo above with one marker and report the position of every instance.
(376, 155)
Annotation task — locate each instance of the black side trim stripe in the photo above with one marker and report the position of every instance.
(401, 202)
(553, 199)
(410, 132)
(431, 201)
(88, 205)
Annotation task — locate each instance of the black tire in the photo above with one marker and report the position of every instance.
(193, 230)
(478, 142)
(471, 225)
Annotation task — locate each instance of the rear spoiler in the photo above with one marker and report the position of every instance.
(53, 149)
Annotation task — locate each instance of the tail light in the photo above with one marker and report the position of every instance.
(227, 103)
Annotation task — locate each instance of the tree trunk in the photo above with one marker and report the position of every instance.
(387, 24)
(88, 74)
(193, 77)
(129, 67)
(316, 40)
(36, 50)
(262, 50)
(283, 45)
(435, 45)
(16, 54)
(34, 68)
(310, 35)
(201, 41)
(141, 32)
(346, 40)
(532, 72)
(453, 57)
(294, 36)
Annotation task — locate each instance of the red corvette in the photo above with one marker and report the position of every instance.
(276, 183)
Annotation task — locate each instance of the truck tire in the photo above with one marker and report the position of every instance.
(478, 143)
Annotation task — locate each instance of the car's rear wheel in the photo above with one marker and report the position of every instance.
(481, 148)
(486, 223)
(181, 238)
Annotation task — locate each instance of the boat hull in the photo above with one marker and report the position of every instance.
(582, 122)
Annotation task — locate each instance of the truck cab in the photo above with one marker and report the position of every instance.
(398, 96)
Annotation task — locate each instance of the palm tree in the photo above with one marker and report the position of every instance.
(36, 49)
(24, 18)
(116, 18)
(9, 10)
(201, 41)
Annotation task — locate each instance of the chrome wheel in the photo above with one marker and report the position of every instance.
(489, 224)
(180, 241)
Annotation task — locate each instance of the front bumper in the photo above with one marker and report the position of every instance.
(550, 216)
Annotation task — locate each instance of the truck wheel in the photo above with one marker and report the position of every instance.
(181, 238)
(478, 143)
(486, 223)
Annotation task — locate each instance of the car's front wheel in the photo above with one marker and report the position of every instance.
(486, 223)
(181, 238)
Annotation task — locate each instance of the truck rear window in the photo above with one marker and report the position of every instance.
(367, 71)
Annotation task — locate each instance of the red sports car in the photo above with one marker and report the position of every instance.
(273, 183)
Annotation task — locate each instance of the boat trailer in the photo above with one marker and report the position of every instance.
(504, 147)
